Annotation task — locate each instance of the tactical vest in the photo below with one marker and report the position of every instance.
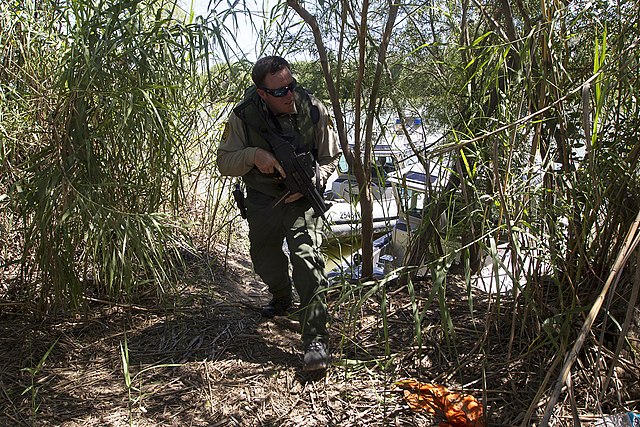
(301, 131)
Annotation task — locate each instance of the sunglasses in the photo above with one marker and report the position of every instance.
(281, 91)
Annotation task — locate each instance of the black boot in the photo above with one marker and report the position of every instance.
(277, 307)
(316, 357)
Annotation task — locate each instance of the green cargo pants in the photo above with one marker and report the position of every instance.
(268, 227)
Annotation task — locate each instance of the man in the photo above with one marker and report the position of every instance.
(246, 151)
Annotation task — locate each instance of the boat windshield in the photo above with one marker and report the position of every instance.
(380, 167)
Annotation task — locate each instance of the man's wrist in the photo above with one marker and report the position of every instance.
(250, 156)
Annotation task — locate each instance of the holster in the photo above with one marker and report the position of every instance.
(238, 195)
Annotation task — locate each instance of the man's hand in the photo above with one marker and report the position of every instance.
(266, 163)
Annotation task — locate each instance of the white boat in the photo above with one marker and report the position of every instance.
(344, 216)
(408, 187)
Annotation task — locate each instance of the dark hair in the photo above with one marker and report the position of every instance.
(267, 65)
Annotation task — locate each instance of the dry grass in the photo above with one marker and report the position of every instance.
(237, 369)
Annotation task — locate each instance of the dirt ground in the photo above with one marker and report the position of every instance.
(207, 358)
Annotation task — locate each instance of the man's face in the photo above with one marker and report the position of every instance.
(278, 105)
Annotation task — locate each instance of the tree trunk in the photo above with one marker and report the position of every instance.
(359, 160)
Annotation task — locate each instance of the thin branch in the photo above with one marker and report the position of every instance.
(324, 62)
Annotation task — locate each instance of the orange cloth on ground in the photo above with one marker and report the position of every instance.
(459, 410)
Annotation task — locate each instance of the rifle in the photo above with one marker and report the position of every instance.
(300, 171)
(299, 168)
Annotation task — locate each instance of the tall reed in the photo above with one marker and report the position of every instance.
(102, 99)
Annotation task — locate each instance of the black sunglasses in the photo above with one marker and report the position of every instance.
(281, 91)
